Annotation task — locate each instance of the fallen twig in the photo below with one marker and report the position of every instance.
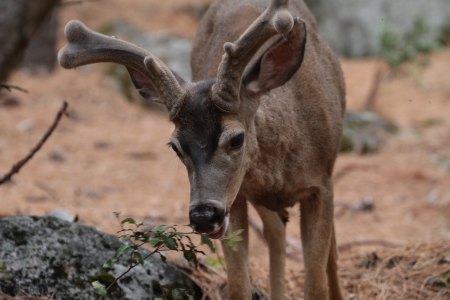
(17, 166)
(380, 242)
(10, 87)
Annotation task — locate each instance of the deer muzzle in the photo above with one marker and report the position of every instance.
(208, 219)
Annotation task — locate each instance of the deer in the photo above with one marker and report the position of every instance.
(260, 123)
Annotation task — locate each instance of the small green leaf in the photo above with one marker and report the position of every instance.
(117, 213)
(138, 257)
(190, 297)
(169, 242)
(189, 255)
(207, 241)
(215, 261)
(176, 295)
(99, 288)
(163, 258)
(129, 220)
(159, 229)
(108, 264)
(141, 236)
(232, 238)
(155, 241)
(121, 250)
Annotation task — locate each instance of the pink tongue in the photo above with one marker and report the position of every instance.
(217, 234)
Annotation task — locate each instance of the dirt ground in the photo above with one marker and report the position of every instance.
(110, 155)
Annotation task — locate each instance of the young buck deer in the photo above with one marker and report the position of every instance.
(261, 122)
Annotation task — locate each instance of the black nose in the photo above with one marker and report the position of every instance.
(206, 218)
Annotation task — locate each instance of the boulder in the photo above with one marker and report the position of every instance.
(352, 27)
(365, 132)
(46, 255)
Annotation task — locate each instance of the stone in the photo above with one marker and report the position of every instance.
(352, 27)
(46, 255)
(365, 132)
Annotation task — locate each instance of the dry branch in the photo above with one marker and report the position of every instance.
(17, 166)
(9, 87)
(373, 92)
(380, 242)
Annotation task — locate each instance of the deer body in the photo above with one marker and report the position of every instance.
(297, 126)
(261, 122)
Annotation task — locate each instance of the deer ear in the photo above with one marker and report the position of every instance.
(278, 63)
(145, 86)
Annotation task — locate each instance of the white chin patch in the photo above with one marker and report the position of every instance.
(227, 221)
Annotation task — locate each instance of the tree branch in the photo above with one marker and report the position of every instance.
(16, 167)
(9, 87)
(380, 242)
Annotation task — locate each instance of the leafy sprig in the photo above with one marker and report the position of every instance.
(162, 238)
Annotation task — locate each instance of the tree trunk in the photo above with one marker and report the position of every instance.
(40, 55)
(19, 19)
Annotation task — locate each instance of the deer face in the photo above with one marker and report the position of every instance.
(214, 129)
(212, 145)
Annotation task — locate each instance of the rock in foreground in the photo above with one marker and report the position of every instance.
(45, 255)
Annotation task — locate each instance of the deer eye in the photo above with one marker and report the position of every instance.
(174, 148)
(237, 141)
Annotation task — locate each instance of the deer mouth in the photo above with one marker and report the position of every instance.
(219, 232)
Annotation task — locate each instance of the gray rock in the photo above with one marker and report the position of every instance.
(365, 132)
(25, 125)
(57, 155)
(62, 214)
(42, 255)
(352, 27)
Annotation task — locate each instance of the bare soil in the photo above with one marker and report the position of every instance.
(111, 155)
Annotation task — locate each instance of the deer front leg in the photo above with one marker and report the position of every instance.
(332, 271)
(316, 228)
(275, 234)
(239, 287)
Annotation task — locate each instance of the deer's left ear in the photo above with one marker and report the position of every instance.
(278, 63)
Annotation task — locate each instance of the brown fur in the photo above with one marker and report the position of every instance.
(297, 130)
(289, 121)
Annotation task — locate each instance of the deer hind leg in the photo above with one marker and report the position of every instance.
(239, 287)
(275, 234)
(332, 271)
(316, 223)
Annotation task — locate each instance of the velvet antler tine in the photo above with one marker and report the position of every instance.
(86, 47)
(276, 19)
(162, 76)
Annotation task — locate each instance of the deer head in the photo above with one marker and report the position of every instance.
(214, 132)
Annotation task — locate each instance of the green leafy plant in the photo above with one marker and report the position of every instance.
(399, 46)
(231, 238)
(162, 238)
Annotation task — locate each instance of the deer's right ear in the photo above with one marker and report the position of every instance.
(279, 63)
(145, 86)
